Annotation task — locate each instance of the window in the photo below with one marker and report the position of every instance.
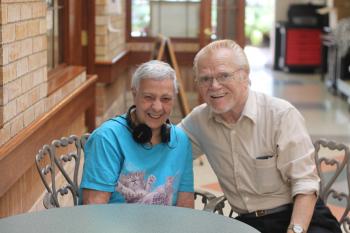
(54, 34)
(214, 19)
(140, 19)
(171, 18)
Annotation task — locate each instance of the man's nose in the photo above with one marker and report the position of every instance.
(214, 83)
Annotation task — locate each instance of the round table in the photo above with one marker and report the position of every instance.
(122, 218)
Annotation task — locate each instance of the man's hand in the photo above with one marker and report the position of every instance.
(303, 209)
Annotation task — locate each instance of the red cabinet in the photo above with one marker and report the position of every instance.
(303, 47)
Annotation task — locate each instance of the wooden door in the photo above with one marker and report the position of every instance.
(205, 23)
(79, 21)
(88, 35)
(230, 20)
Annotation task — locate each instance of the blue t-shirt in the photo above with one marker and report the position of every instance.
(136, 173)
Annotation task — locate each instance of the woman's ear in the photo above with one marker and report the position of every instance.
(133, 90)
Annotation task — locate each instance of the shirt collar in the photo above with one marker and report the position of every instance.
(249, 110)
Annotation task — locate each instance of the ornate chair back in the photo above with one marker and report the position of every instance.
(220, 206)
(49, 163)
(203, 198)
(332, 162)
(62, 156)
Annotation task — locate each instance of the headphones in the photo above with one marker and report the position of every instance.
(142, 133)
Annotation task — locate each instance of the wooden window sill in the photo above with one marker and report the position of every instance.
(61, 76)
(109, 71)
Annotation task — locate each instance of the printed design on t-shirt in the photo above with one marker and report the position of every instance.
(135, 189)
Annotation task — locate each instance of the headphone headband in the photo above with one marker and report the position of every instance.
(142, 133)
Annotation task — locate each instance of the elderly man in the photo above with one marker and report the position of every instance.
(140, 157)
(257, 145)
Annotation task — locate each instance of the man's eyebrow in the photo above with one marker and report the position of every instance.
(224, 72)
(147, 93)
(204, 76)
(167, 96)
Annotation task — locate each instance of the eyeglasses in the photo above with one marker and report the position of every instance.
(223, 78)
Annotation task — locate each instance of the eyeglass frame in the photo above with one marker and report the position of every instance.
(222, 79)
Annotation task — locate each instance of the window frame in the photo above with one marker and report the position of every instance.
(129, 38)
(61, 14)
(77, 16)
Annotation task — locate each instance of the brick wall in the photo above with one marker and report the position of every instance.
(110, 29)
(53, 99)
(23, 58)
(27, 193)
(24, 89)
(110, 42)
(111, 98)
(69, 167)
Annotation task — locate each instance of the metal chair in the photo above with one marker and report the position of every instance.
(49, 163)
(330, 170)
(205, 196)
(218, 205)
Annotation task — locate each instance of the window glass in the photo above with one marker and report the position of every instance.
(171, 18)
(214, 19)
(54, 35)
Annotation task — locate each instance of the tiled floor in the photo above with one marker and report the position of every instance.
(326, 116)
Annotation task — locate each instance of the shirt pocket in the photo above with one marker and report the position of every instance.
(267, 176)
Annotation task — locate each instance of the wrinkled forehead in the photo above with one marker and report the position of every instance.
(220, 60)
(155, 82)
(156, 87)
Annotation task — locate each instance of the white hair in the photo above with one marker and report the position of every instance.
(156, 70)
(239, 56)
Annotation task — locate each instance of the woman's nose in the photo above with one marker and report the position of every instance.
(157, 105)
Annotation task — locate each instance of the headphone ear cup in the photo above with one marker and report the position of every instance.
(165, 132)
(128, 117)
(142, 133)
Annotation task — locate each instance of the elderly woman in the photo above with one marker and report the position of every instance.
(140, 157)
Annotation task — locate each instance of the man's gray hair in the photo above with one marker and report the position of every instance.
(156, 70)
(240, 57)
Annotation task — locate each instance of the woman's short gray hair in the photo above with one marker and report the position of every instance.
(156, 70)
(240, 57)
